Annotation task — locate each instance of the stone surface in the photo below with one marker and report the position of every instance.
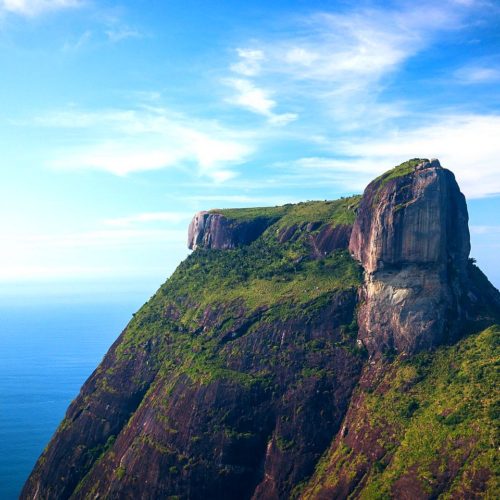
(213, 230)
(213, 438)
(411, 236)
(322, 238)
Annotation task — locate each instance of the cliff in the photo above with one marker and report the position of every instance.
(412, 238)
(295, 353)
(214, 230)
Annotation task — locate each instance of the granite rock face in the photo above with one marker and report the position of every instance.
(216, 231)
(322, 238)
(411, 236)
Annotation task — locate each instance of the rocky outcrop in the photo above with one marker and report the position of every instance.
(250, 422)
(213, 230)
(245, 376)
(411, 236)
(322, 238)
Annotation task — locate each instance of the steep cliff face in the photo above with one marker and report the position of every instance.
(423, 427)
(411, 236)
(247, 374)
(249, 357)
(214, 230)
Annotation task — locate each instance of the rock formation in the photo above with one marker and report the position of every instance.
(411, 236)
(247, 374)
(214, 230)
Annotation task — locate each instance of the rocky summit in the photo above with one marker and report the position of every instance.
(336, 349)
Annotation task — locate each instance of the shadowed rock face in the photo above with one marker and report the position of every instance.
(411, 236)
(212, 230)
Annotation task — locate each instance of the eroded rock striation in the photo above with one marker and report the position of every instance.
(247, 374)
(214, 230)
(411, 236)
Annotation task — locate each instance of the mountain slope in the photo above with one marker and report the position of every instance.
(420, 427)
(249, 365)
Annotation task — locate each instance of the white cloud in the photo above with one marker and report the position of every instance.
(126, 141)
(282, 119)
(122, 33)
(249, 63)
(485, 229)
(35, 7)
(80, 42)
(477, 74)
(301, 56)
(237, 199)
(467, 145)
(258, 101)
(251, 97)
(340, 62)
(147, 218)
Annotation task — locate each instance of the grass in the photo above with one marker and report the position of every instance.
(433, 410)
(340, 211)
(241, 214)
(405, 168)
(267, 279)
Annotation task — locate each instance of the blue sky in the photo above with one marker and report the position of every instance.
(119, 120)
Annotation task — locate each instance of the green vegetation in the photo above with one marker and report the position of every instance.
(340, 211)
(416, 417)
(254, 286)
(268, 281)
(120, 472)
(432, 412)
(405, 168)
(253, 212)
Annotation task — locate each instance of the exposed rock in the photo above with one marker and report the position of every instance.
(411, 236)
(213, 230)
(330, 238)
(216, 437)
(322, 238)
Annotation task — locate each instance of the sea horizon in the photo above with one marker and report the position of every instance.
(49, 348)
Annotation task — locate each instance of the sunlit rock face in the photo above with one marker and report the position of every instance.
(213, 230)
(411, 236)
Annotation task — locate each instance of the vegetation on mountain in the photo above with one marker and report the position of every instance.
(251, 372)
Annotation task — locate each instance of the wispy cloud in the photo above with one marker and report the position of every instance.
(122, 142)
(32, 8)
(342, 60)
(485, 229)
(477, 74)
(467, 145)
(222, 201)
(81, 41)
(249, 63)
(257, 100)
(148, 218)
(117, 34)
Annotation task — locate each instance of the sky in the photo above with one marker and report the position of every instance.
(120, 120)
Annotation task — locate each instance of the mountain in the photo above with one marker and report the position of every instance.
(317, 350)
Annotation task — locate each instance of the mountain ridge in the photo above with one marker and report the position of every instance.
(251, 371)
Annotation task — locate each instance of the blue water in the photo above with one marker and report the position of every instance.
(46, 353)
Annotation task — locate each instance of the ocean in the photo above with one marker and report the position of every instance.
(47, 351)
